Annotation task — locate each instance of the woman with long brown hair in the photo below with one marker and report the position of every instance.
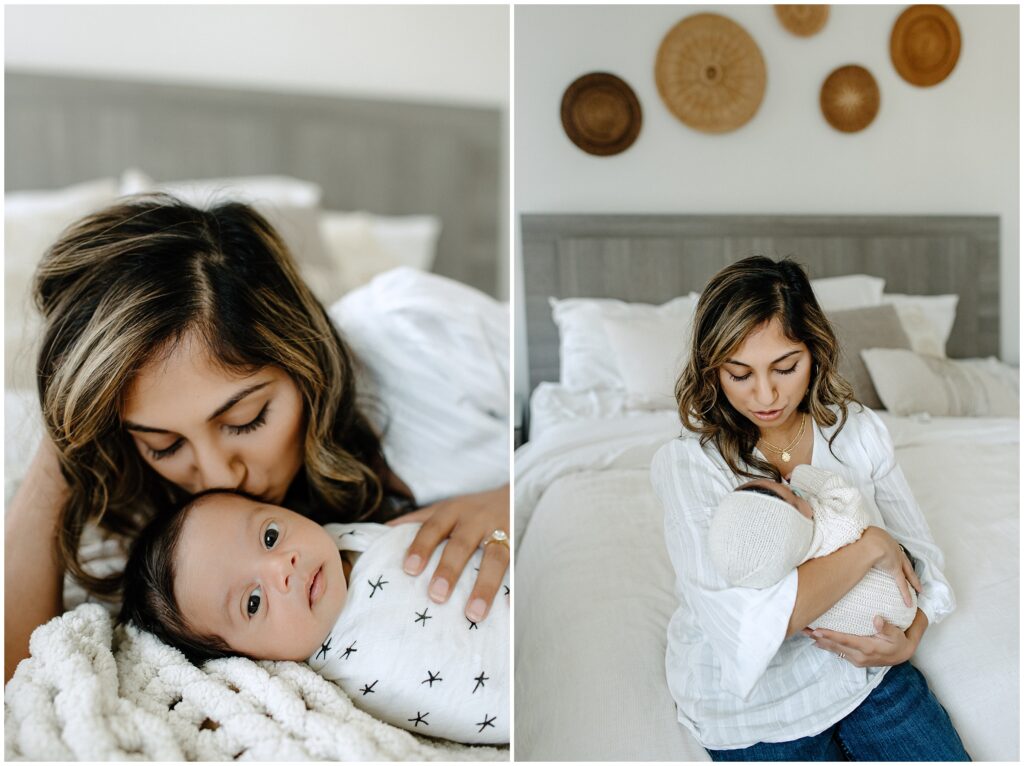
(760, 395)
(182, 352)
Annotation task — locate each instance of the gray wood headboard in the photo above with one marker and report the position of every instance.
(653, 258)
(385, 157)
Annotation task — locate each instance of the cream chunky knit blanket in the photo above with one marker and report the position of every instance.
(93, 692)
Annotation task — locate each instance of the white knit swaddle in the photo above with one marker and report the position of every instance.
(755, 540)
(840, 519)
(414, 663)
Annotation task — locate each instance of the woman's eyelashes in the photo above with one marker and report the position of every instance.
(253, 424)
(741, 378)
(257, 422)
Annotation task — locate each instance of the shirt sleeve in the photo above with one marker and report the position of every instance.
(744, 626)
(905, 521)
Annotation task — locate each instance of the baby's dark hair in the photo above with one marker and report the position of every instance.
(759, 490)
(149, 601)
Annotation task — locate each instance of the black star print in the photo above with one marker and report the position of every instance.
(507, 591)
(349, 532)
(431, 677)
(423, 617)
(421, 719)
(480, 682)
(349, 650)
(381, 582)
(472, 625)
(368, 688)
(324, 648)
(485, 723)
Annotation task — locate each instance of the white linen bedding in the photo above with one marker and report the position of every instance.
(595, 588)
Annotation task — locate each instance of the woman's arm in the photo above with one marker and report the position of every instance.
(33, 577)
(464, 521)
(824, 581)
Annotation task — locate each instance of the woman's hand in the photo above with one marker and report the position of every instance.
(465, 521)
(889, 645)
(891, 559)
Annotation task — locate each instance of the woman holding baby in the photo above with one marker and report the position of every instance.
(182, 352)
(761, 395)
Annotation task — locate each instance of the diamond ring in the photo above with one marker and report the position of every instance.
(499, 536)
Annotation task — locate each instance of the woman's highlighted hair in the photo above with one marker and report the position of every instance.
(737, 300)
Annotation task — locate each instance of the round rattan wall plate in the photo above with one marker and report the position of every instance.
(925, 44)
(710, 73)
(850, 98)
(601, 114)
(802, 20)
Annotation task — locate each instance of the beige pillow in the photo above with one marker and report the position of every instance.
(908, 383)
(868, 327)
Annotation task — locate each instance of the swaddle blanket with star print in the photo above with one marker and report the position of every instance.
(404, 659)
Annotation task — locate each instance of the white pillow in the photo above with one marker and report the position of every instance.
(361, 245)
(848, 292)
(909, 383)
(586, 356)
(928, 319)
(267, 190)
(32, 222)
(650, 352)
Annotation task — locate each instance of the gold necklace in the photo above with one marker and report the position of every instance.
(786, 456)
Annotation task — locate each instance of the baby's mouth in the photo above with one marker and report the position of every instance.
(316, 586)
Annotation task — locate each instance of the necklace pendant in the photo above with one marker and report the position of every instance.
(786, 457)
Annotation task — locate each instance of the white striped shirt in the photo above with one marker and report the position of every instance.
(734, 676)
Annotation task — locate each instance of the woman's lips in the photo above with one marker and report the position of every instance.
(767, 414)
(316, 588)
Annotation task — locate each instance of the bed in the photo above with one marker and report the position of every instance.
(370, 195)
(593, 580)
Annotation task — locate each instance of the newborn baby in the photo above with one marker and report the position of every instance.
(765, 529)
(228, 575)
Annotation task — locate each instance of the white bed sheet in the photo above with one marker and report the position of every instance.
(595, 588)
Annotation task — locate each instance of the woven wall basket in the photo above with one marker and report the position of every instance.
(710, 73)
(925, 44)
(601, 114)
(850, 98)
(802, 20)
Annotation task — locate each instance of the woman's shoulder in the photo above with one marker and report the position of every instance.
(694, 469)
(860, 420)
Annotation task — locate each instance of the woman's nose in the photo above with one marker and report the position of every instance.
(218, 470)
(764, 391)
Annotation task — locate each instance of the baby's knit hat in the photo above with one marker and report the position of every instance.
(755, 540)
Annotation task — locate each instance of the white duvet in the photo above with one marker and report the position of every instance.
(595, 588)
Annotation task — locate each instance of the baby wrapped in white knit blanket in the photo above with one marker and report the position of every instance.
(765, 529)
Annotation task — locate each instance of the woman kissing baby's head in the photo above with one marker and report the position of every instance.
(230, 575)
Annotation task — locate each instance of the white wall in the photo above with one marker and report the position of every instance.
(949, 149)
(455, 54)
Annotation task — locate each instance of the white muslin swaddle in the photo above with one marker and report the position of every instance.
(407, 660)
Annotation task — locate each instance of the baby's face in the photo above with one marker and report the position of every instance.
(265, 579)
(785, 492)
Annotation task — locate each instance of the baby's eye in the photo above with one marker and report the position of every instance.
(255, 598)
(270, 535)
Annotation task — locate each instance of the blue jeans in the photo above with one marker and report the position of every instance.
(901, 720)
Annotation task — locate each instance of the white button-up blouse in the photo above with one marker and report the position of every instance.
(735, 678)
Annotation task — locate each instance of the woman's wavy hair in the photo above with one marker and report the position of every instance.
(134, 279)
(738, 299)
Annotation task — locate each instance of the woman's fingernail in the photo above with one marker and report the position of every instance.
(439, 589)
(412, 564)
(476, 610)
